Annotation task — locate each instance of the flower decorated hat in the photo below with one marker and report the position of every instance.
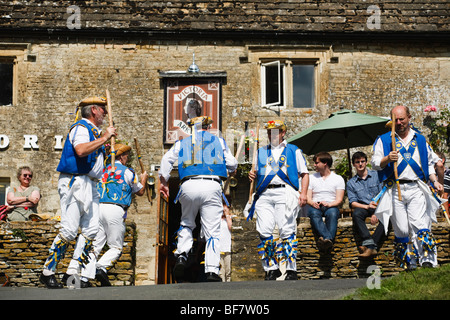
(275, 124)
(203, 120)
(100, 101)
(120, 148)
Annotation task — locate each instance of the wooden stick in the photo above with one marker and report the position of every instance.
(239, 149)
(255, 155)
(395, 163)
(138, 150)
(113, 138)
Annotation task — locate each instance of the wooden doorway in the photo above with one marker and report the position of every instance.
(169, 215)
(163, 275)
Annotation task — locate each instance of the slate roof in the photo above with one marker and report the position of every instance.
(245, 16)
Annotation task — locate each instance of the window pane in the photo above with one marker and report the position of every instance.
(272, 85)
(6, 82)
(303, 86)
(4, 185)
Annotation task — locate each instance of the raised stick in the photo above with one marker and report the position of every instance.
(138, 150)
(255, 155)
(395, 163)
(113, 138)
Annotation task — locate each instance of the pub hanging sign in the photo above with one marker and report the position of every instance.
(187, 98)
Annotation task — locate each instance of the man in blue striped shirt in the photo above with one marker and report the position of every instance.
(361, 189)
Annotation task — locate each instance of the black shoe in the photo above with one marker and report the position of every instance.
(272, 274)
(290, 275)
(213, 277)
(64, 278)
(50, 282)
(180, 265)
(85, 284)
(427, 265)
(102, 277)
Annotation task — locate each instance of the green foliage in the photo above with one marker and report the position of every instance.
(341, 168)
(19, 233)
(438, 124)
(421, 284)
(243, 169)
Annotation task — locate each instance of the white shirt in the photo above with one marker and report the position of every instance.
(299, 158)
(80, 134)
(225, 236)
(408, 173)
(171, 156)
(325, 189)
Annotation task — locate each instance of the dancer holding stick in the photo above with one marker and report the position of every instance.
(413, 210)
(278, 197)
(80, 167)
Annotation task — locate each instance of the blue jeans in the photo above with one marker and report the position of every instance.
(326, 229)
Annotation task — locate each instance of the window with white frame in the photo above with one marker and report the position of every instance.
(288, 83)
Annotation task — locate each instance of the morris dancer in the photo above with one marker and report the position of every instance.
(80, 167)
(277, 198)
(412, 217)
(203, 161)
(116, 190)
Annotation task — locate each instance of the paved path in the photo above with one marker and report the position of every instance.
(333, 289)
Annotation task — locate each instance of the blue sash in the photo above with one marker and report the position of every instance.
(276, 171)
(422, 148)
(407, 155)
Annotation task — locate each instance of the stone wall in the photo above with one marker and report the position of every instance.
(24, 248)
(342, 262)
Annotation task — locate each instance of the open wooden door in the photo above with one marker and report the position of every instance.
(162, 242)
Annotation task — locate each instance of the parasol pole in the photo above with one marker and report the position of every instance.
(348, 155)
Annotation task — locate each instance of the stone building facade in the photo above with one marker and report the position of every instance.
(366, 56)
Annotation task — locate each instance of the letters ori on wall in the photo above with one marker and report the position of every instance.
(30, 141)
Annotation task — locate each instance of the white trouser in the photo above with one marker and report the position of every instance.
(79, 210)
(410, 215)
(79, 206)
(111, 231)
(270, 212)
(204, 196)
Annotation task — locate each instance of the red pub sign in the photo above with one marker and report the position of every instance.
(188, 98)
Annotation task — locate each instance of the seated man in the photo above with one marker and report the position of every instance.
(361, 189)
(325, 195)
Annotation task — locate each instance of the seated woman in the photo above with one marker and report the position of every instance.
(325, 195)
(23, 200)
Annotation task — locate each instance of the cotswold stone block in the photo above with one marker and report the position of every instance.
(22, 259)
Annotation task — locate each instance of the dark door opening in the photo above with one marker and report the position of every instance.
(194, 271)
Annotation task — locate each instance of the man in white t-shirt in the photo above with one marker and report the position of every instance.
(325, 194)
